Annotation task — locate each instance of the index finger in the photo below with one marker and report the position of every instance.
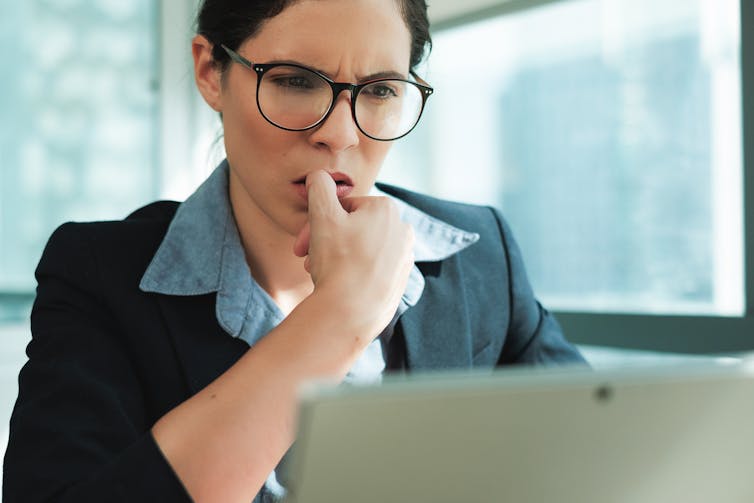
(322, 196)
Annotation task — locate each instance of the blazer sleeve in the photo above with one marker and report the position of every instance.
(534, 335)
(79, 431)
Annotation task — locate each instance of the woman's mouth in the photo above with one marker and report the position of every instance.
(343, 185)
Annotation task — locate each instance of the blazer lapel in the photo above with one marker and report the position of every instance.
(203, 347)
(436, 329)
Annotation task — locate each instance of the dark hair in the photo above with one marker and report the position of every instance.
(231, 22)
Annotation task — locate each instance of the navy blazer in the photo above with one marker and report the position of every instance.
(107, 360)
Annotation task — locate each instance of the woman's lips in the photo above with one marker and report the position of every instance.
(343, 186)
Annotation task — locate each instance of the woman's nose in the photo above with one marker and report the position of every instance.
(339, 131)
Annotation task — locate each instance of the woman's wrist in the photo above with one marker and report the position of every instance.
(329, 332)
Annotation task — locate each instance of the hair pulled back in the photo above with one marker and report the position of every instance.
(231, 22)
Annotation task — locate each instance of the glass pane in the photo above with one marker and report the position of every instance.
(609, 132)
(79, 129)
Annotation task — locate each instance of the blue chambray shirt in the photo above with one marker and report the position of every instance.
(202, 253)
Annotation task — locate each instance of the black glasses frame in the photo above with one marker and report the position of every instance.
(337, 87)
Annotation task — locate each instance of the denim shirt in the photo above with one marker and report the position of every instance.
(202, 253)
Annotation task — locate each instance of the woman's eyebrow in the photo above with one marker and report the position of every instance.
(385, 74)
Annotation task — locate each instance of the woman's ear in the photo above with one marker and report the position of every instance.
(206, 72)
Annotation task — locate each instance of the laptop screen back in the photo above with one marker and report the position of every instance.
(672, 434)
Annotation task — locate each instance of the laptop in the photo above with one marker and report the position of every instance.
(648, 435)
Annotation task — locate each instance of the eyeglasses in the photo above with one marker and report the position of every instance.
(296, 98)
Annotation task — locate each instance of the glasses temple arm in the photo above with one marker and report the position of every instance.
(420, 80)
(237, 57)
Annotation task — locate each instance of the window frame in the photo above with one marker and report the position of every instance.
(657, 332)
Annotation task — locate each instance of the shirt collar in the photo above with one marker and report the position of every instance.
(435, 240)
(202, 253)
(188, 261)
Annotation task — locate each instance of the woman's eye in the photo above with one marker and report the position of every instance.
(382, 91)
(294, 81)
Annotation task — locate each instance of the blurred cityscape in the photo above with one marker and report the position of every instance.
(627, 203)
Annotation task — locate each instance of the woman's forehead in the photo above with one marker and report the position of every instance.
(365, 36)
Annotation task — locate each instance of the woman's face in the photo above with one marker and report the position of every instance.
(347, 40)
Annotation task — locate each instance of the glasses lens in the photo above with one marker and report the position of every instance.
(293, 97)
(388, 109)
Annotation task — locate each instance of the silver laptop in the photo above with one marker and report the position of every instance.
(674, 434)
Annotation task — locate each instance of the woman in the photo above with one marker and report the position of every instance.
(167, 348)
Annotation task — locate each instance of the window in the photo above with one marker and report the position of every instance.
(609, 132)
(79, 135)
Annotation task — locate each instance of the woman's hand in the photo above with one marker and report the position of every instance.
(358, 251)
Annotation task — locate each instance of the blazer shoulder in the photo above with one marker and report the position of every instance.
(154, 218)
(133, 240)
(158, 210)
